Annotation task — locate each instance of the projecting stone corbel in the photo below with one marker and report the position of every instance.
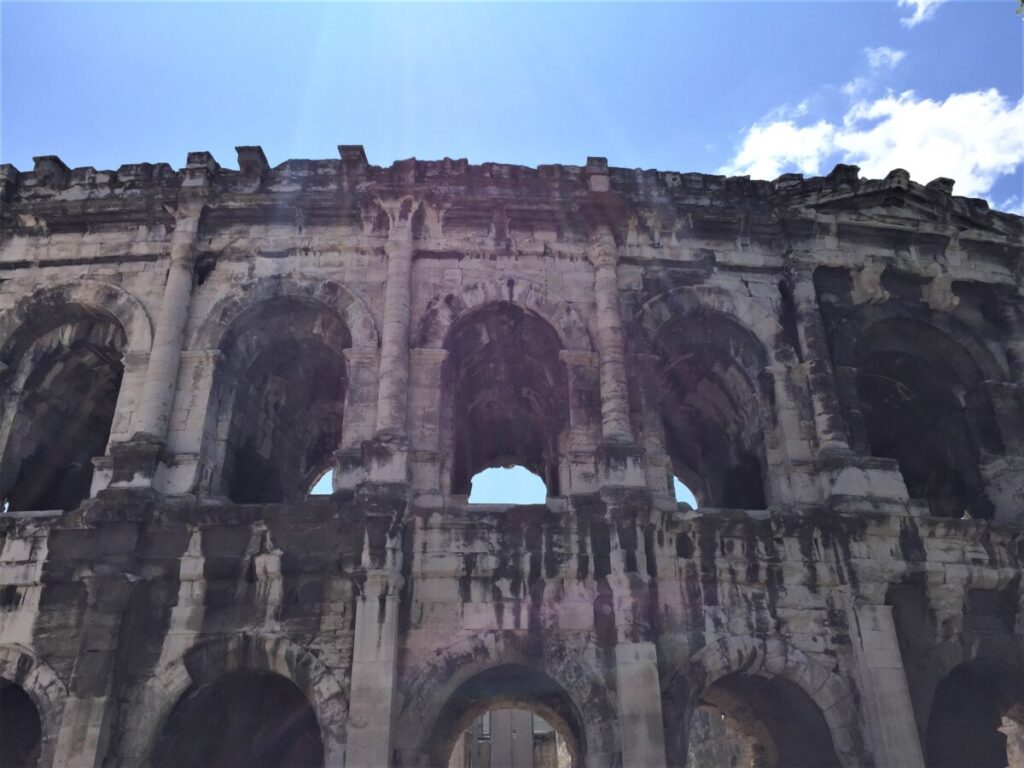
(50, 171)
(252, 163)
(939, 295)
(867, 285)
(596, 174)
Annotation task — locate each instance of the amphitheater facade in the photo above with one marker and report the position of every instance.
(834, 366)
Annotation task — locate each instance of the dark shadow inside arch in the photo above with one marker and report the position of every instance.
(966, 713)
(20, 727)
(709, 391)
(252, 719)
(70, 373)
(510, 686)
(767, 722)
(923, 402)
(282, 398)
(506, 395)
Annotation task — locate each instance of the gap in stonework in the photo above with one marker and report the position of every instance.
(507, 485)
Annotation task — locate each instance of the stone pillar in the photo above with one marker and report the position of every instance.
(90, 709)
(393, 393)
(135, 463)
(828, 417)
(640, 720)
(387, 454)
(636, 657)
(615, 425)
(360, 420)
(165, 357)
(374, 656)
(885, 694)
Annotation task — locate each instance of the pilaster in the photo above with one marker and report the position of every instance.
(885, 694)
(375, 649)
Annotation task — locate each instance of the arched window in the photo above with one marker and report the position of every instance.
(768, 722)
(707, 375)
(59, 408)
(246, 718)
(20, 727)
(506, 395)
(507, 485)
(923, 403)
(282, 401)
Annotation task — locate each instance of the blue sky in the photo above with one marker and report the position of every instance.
(755, 88)
(758, 87)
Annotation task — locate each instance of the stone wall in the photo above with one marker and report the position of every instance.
(833, 365)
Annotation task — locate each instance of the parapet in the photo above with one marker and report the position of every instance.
(594, 192)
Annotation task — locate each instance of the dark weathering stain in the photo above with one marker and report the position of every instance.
(466, 579)
(911, 544)
(708, 569)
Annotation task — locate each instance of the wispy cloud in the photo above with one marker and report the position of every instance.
(880, 60)
(884, 57)
(922, 11)
(972, 137)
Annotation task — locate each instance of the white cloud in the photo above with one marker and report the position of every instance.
(884, 57)
(856, 87)
(769, 148)
(880, 61)
(974, 138)
(923, 10)
(1013, 204)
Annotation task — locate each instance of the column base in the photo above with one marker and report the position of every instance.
(134, 462)
(620, 464)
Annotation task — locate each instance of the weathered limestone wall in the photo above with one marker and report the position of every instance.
(833, 365)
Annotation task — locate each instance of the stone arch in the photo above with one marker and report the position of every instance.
(773, 658)
(43, 686)
(587, 708)
(278, 402)
(970, 707)
(151, 705)
(35, 314)
(67, 350)
(917, 391)
(709, 369)
(857, 322)
(331, 294)
(432, 328)
(505, 396)
(751, 315)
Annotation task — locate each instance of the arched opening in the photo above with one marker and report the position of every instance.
(21, 730)
(255, 719)
(507, 401)
(538, 723)
(60, 408)
(710, 406)
(760, 722)
(283, 400)
(507, 485)
(923, 403)
(966, 715)
(324, 485)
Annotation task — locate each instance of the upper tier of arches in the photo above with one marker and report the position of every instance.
(291, 365)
